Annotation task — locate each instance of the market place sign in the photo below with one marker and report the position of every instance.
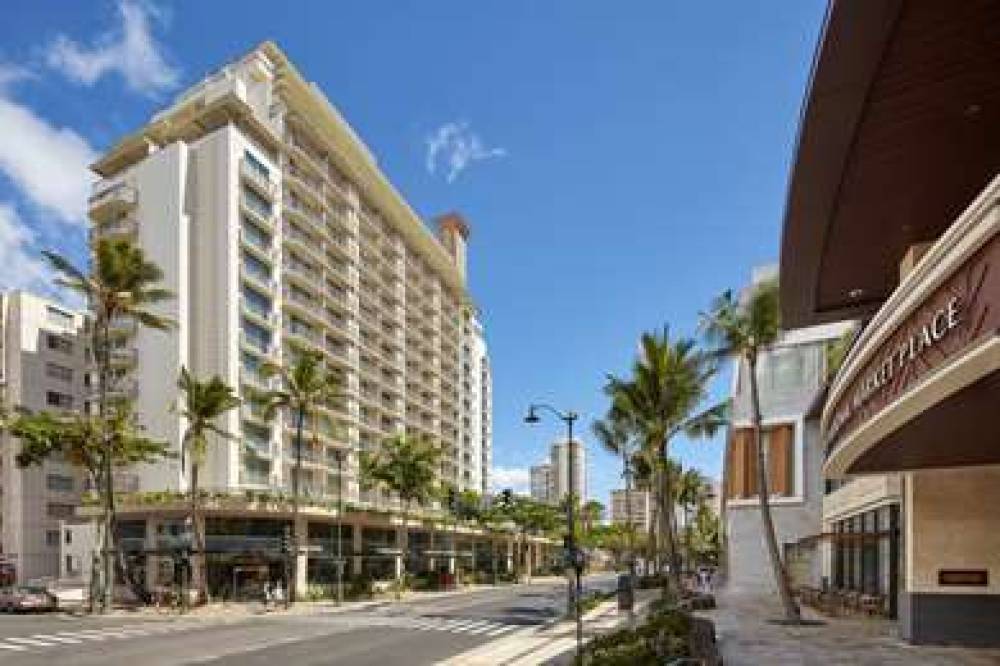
(962, 312)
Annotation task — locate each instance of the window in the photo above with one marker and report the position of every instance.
(56, 399)
(54, 315)
(59, 510)
(256, 203)
(255, 267)
(256, 164)
(59, 482)
(69, 537)
(743, 469)
(52, 538)
(70, 569)
(58, 343)
(60, 372)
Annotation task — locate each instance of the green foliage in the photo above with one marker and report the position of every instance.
(85, 441)
(201, 404)
(665, 635)
(405, 466)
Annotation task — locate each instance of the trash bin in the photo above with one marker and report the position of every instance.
(626, 592)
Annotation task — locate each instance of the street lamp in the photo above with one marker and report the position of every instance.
(339, 453)
(567, 417)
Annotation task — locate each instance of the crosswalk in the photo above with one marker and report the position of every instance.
(469, 626)
(9, 644)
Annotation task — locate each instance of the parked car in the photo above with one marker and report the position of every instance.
(23, 599)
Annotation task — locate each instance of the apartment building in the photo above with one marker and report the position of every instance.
(43, 357)
(541, 482)
(641, 508)
(791, 375)
(563, 454)
(277, 232)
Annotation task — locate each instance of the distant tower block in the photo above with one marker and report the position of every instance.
(454, 233)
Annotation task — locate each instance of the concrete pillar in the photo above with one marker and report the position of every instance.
(357, 545)
(152, 561)
(403, 541)
(301, 530)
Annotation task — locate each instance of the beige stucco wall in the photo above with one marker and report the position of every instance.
(952, 522)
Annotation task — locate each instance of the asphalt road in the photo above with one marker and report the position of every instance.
(416, 632)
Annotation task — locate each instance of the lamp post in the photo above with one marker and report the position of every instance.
(340, 521)
(567, 417)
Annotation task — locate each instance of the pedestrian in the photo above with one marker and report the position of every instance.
(267, 594)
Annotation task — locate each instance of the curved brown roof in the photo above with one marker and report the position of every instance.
(899, 131)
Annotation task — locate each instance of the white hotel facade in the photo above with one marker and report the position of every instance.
(276, 229)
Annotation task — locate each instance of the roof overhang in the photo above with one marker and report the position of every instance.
(899, 131)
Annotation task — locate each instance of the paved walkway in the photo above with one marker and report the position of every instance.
(746, 638)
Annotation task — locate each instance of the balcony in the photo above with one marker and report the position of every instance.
(123, 326)
(260, 448)
(262, 215)
(298, 270)
(302, 335)
(257, 179)
(260, 248)
(255, 344)
(311, 218)
(125, 227)
(111, 200)
(254, 412)
(125, 356)
(302, 302)
(252, 477)
(259, 280)
(303, 243)
(257, 313)
(254, 379)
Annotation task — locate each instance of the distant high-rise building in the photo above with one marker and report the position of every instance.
(641, 508)
(44, 359)
(541, 482)
(560, 461)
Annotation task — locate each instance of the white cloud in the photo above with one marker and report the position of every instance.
(21, 267)
(48, 164)
(10, 74)
(130, 51)
(456, 147)
(515, 478)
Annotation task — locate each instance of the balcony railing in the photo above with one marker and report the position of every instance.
(257, 179)
(112, 200)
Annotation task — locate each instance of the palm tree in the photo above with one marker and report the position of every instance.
(592, 513)
(122, 284)
(690, 494)
(203, 402)
(615, 434)
(306, 387)
(745, 329)
(668, 383)
(406, 466)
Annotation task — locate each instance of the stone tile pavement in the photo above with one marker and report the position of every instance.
(746, 638)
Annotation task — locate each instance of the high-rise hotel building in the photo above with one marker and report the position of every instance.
(276, 230)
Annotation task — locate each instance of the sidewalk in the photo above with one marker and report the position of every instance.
(554, 643)
(746, 638)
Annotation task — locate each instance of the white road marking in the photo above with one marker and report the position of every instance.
(29, 641)
(58, 639)
(16, 648)
(503, 629)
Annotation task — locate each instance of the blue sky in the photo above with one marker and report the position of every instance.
(619, 163)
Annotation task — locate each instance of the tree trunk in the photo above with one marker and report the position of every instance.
(667, 516)
(792, 611)
(628, 513)
(198, 534)
(102, 355)
(723, 555)
(293, 584)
